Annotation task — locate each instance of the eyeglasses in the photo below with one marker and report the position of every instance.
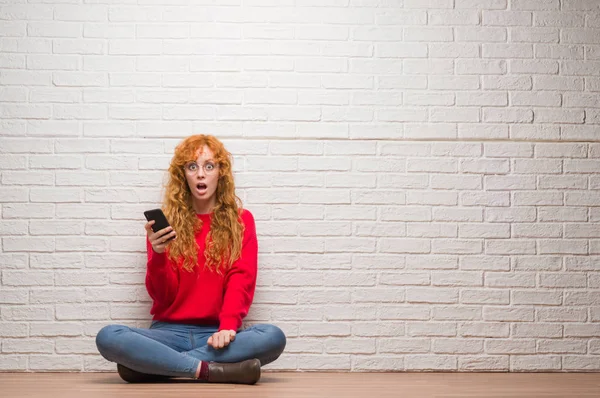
(193, 167)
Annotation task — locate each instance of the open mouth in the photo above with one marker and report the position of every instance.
(201, 187)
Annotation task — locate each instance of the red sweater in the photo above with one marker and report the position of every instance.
(203, 297)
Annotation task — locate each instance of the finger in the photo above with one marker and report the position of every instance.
(165, 230)
(232, 334)
(226, 339)
(148, 227)
(210, 340)
(221, 340)
(166, 237)
(160, 234)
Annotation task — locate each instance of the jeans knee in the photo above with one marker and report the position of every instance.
(105, 339)
(281, 339)
(276, 338)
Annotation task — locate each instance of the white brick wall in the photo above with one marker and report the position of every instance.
(425, 175)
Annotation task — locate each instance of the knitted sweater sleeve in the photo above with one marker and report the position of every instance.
(240, 280)
(162, 280)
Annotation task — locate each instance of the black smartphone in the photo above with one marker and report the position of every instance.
(160, 221)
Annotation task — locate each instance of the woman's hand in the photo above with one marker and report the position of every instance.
(158, 239)
(221, 339)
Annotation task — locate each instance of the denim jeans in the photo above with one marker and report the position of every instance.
(175, 349)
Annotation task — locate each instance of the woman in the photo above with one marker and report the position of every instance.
(201, 275)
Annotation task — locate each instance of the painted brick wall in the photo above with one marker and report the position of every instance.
(425, 175)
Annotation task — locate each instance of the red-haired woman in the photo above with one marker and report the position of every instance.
(201, 275)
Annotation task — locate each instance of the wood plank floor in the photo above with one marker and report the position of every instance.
(311, 385)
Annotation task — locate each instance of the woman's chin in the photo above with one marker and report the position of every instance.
(201, 196)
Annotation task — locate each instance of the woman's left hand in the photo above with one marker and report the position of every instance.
(221, 338)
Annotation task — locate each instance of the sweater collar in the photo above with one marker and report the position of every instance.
(204, 216)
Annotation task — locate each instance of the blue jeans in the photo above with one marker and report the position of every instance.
(175, 349)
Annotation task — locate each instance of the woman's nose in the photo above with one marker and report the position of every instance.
(201, 172)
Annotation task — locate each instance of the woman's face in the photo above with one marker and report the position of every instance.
(202, 176)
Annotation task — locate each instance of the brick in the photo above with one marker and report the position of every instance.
(483, 329)
(405, 214)
(583, 264)
(537, 198)
(484, 198)
(431, 230)
(81, 312)
(404, 346)
(324, 362)
(562, 315)
(76, 346)
(455, 314)
(23, 346)
(510, 182)
(546, 132)
(485, 297)
(562, 280)
(13, 329)
(52, 329)
(14, 363)
(423, 262)
(55, 296)
(484, 231)
(506, 346)
(548, 330)
(582, 298)
(582, 330)
(381, 363)
(558, 214)
(570, 246)
(525, 297)
(507, 315)
(485, 263)
(562, 346)
(484, 166)
(457, 214)
(529, 362)
(508, 247)
(353, 313)
(431, 362)
(324, 329)
(488, 362)
(55, 362)
(308, 346)
(537, 230)
(431, 295)
(581, 363)
(457, 346)
(350, 346)
(422, 329)
(29, 313)
(373, 295)
(409, 313)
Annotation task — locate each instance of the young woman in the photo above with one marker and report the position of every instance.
(201, 275)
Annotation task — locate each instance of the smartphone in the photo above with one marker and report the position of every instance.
(160, 221)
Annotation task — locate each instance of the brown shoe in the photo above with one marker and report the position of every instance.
(133, 376)
(245, 372)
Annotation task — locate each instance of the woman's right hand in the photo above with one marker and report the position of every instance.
(158, 239)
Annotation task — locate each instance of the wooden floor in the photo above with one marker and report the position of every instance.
(311, 385)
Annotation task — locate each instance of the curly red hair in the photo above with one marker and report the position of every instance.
(224, 241)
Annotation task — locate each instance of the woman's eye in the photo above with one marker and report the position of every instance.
(193, 166)
(210, 166)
